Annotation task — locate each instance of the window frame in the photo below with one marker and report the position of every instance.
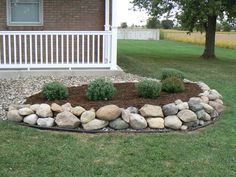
(10, 23)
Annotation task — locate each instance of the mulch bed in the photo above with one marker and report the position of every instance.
(126, 96)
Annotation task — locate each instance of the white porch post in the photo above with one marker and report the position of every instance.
(114, 36)
(107, 15)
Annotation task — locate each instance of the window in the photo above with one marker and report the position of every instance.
(25, 12)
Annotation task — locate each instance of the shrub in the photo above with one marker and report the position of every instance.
(170, 72)
(100, 89)
(173, 85)
(55, 91)
(148, 88)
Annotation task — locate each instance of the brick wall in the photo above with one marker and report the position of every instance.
(83, 15)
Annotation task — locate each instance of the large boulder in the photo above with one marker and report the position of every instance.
(46, 122)
(173, 122)
(44, 111)
(108, 113)
(151, 111)
(195, 104)
(77, 111)
(67, 120)
(118, 124)
(31, 119)
(137, 121)
(25, 111)
(187, 116)
(14, 116)
(156, 123)
(87, 116)
(95, 124)
(170, 109)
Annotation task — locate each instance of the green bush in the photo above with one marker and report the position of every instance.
(170, 72)
(100, 89)
(55, 91)
(148, 88)
(173, 85)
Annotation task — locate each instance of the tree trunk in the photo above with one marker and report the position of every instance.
(209, 51)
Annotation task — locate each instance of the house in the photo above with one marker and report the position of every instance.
(43, 34)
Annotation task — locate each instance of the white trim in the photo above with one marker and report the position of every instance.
(114, 36)
(107, 15)
(9, 23)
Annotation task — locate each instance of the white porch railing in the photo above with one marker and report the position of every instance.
(55, 49)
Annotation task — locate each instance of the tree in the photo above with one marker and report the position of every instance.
(167, 24)
(153, 23)
(124, 25)
(201, 15)
(226, 27)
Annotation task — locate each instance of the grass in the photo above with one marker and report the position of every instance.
(223, 39)
(208, 152)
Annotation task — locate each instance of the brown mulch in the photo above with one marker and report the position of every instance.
(126, 96)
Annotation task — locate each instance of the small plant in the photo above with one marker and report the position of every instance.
(100, 89)
(55, 91)
(170, 72)
(173, 85)
(148, 88)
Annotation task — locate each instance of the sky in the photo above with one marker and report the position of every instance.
(126, 14)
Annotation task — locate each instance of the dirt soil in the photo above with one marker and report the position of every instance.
(126, 96)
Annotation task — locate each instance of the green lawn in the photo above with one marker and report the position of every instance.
(210, 152)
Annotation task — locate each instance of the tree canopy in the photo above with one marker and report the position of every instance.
(200, 15)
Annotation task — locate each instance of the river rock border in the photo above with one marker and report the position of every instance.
(199, 111)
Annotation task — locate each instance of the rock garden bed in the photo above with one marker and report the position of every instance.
(195, 107)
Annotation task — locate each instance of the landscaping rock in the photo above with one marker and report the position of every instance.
(46, 122)
(132, 109)
(195, 104)
(14, 116)
(56, 108)
(125, 114)
(207, 117)
(156, 123)
(184, 127)
(118, 124)
(67, 120)
(214, 114)
(87, 116)
(95, 124)
(151, 111)
(201, 114)
(201, 123)
(205, 99)
(77, 111)
(217, 106)
(209, 109)
(44, 111)
(108, 113)
(178, 102)
(192, 124)
(187, 116)
(34, 107)
(173, 122)
(13, 107)
(25, 111)
(66, 107)
(170, 109)
(137, 121)
(219, 101)
(182, 106)
(31, 119)
(203, 86)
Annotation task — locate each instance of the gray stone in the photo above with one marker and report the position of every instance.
(95, 124)
(209, 109)
(207, 117)
(46, 122)
(170, 109)
(66, 107)
(14, 116)
(87, 116)
(151, 111)
(25, 111)
(182, 106)
(205, 99)
(67, 120)
(178, 101)
(205, 93)
(137, 121)
(217, 106)
(187, 115)
(219, 101)
(195, 104)
(119, 124)
(132, 109)
(31, 119)
(56, 108)
(173, 122)
(184, 127)
(125, 115)
(201, 123)
(13, 107)
(108, 113)
(156, 123)
(203, 86)
(192, 124)
(214, 114)
(77, 111)
(34, 107)
(201, 114)
(44, 111)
